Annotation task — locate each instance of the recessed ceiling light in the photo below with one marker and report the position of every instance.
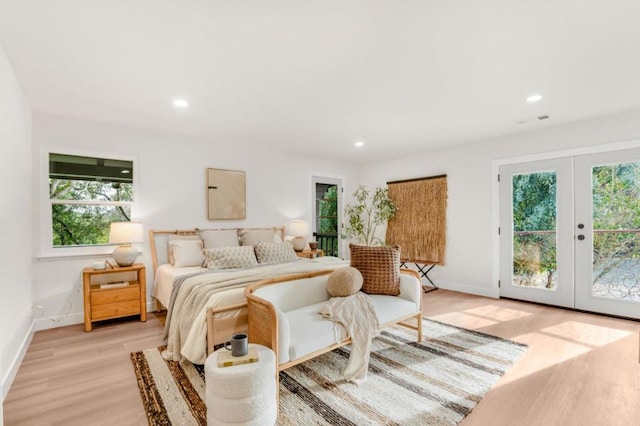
(180, 103)
(125, 171)
(534, 98)
(359, 144)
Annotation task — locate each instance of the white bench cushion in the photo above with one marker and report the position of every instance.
(310, 332)
(391, 308)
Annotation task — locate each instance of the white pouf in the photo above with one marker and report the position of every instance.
(243, 394)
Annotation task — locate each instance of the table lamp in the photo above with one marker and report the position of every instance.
(299, 229)
(123, 234)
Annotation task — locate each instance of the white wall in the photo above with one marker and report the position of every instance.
(15, 219)
(471, 231)
(172, 193)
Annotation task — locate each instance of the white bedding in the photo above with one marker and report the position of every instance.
(164, 279)
(186, 320)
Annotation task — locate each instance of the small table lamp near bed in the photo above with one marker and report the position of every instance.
(123, 234)
(299, 229)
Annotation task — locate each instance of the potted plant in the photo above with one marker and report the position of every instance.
(364, 217)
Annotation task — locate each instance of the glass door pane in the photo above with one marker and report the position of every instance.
(327, 203)
(616, 231)
(534, 230)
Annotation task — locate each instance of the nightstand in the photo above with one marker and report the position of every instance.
(102, 301)
(310, 254)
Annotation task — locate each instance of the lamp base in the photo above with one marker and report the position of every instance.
(125, 255)
(299, 243)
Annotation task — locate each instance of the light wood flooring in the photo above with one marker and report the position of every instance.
(579, 369)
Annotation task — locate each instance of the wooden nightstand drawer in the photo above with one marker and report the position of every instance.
(114, 310)
(115, 295)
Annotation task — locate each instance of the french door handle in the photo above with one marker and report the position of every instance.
(581, 237)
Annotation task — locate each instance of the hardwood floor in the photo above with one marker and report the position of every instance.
(579, 369)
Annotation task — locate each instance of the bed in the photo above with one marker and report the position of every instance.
(205, 306)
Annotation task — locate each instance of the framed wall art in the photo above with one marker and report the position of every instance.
(226, 194)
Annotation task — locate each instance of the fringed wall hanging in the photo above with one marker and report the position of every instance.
(420, 223)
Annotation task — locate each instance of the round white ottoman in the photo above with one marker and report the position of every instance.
(243, 394)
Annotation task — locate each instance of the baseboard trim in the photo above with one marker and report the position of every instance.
(71, 319)
(7, 380)
(462, 288)
(58, 321)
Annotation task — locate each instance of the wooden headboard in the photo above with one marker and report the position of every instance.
(158, 240)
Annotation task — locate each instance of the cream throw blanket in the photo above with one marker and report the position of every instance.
(357, 316)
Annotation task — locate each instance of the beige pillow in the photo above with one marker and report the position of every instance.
(379, 266)
(214, 238)
(268, 252)
(230, 257)
(174, 237)
(344, 282)
(187, 253)
(250, 237)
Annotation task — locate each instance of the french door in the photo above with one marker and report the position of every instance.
(570, 232)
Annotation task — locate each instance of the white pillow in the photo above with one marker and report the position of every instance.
(174, 237)
(230, 257)
(267, 252)
(250, 237)
(187, 253)
(214, 238)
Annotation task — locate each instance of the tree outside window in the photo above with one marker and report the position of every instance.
(86, 195)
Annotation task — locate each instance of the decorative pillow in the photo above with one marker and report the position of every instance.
(268, 252)
(178, 238)
(344, 282)
(230, 257)
(379, 266)
(250, 237)
(186, 252)
(214, 238)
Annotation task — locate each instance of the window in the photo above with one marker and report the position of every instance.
(85, 195)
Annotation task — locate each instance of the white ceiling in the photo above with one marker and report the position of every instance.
(315, 76)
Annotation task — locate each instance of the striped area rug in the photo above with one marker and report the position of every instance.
(435, 382)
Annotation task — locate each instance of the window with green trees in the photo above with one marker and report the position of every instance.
(86, 195)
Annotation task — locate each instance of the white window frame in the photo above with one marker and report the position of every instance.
(47, 250)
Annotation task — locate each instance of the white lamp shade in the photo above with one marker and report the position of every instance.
(125, 233)
(299, 228)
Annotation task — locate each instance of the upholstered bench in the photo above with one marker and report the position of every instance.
(283, 314)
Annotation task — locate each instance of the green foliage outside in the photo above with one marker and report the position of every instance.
(616, 204)
(328, 212)
(369, 212)
(534, 226)
(616, 219)
(86, 224)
